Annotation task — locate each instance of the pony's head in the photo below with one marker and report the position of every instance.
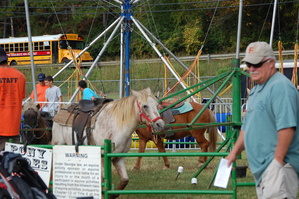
(31, 115)
(147, 106)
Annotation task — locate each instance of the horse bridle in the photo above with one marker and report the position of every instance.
(26, 126)
(143, 115)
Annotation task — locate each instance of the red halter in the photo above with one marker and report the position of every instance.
(142, 115)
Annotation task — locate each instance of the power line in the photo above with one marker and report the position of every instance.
(81, 10)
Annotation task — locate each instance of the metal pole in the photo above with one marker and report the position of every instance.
(159, 54)
(107, 167)
(239, 30)
(121, 63)
(99, 55)
(30, 49)
(127, 38)
(273, 22)
(179, 61)
(87, 47)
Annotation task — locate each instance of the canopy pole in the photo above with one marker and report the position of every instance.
(273, 23)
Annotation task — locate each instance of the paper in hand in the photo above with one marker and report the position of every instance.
(223, 174)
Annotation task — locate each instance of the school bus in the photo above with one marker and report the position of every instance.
(47, 49)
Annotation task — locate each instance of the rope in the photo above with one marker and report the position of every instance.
(94, 16)
(297, 27)
(197, 69)
(295, 74)
(186, 73)
(210, 25)
(77, 62)
(165, 77)
(71, 76)
(197, 57)
(225, 90)
(53, 8)
(280, 48)
(265, 21)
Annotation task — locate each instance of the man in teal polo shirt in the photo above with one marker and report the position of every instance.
(270, 132)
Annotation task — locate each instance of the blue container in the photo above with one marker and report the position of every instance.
(221, 117)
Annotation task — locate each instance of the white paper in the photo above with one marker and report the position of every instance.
(223, 173)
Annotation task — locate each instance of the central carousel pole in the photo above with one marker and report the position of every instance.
(126, 39)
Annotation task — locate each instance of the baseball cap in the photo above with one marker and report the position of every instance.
(41, 77)
(3, 55)
(256, 51)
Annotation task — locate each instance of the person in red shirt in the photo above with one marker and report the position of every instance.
(41, 88)
(12, 92)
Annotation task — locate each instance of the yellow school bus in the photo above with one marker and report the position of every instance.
(47, 49)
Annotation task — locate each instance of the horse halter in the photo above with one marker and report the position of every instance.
(142, 115)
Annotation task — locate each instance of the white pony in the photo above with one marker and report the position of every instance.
(117, 121)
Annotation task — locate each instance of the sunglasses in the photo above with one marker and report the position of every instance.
(256, 65)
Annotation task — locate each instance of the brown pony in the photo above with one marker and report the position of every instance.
(35, 126)
(207, 117)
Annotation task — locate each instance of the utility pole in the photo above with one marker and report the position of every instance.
(12, 32)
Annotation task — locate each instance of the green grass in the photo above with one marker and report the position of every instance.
(152, 176)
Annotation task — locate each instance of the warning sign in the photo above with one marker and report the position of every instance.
(77, 174)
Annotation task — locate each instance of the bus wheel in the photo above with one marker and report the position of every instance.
(13, 63)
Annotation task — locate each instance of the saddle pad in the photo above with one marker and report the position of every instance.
(65, 118)
(183, 109)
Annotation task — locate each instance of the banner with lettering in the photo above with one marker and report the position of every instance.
(40, 159)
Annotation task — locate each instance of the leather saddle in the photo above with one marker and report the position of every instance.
(82, 114)
(168, 115)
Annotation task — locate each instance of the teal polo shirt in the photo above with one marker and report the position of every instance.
(271, 107)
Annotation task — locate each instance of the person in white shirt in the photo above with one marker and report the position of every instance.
(53, 95)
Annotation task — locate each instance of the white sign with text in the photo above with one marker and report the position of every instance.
(40, 159)
(77, 174)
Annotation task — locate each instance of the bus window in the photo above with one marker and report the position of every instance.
(21, 47)
(26, 46)
(6, 48)
(41, 45)
(47, 45)
(11, 48)
(35, 45)
(63, 44)
(77, 44)
(16, 47)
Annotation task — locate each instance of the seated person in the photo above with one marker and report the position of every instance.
(88, 94)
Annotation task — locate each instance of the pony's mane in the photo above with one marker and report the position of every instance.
(29, 105)
(123, 110)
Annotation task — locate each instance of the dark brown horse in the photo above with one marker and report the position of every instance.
(36, 127)
(207, 117)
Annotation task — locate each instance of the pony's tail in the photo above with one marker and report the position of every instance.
(213, 131)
